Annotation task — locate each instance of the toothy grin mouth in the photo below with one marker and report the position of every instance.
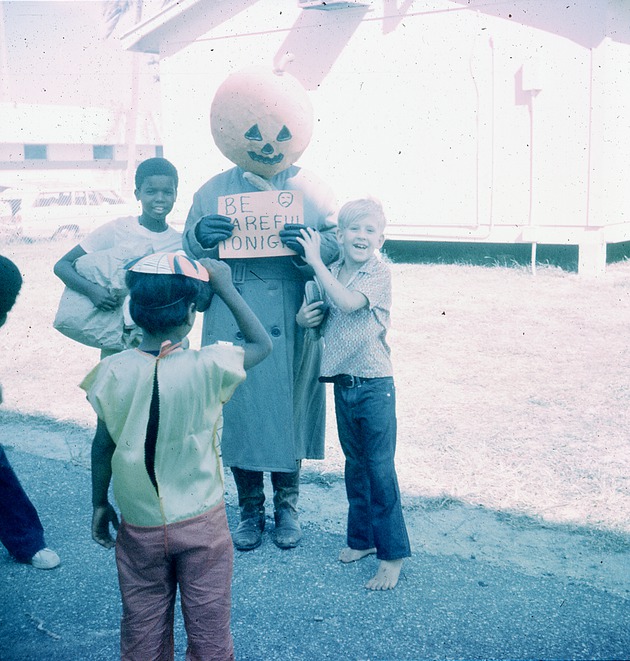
(266, 160)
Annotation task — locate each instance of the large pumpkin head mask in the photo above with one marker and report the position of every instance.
(261, 121)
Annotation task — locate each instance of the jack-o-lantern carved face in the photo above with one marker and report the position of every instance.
(261, 121)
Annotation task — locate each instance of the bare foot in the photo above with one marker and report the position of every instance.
(387, 575)
(352, 555)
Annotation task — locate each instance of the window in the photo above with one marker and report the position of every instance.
(16, 204)
(110, 197)
(47, 200)
(63, 199)
(103, 152)
(35, 152)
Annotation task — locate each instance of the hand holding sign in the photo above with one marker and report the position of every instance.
(213, 229)
(259, 221)
(289, 236)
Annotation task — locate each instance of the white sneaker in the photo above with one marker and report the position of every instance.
(45, 559)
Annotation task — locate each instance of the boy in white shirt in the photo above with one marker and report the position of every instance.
(156, 182)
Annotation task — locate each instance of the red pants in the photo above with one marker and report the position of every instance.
(195, 554)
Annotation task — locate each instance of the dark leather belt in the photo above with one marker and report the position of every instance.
(345, 380)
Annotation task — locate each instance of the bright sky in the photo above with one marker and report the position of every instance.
(56, 53)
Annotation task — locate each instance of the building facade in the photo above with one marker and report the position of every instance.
(472, 120)
(75, 107)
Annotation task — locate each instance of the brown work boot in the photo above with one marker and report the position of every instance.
(287, 533)
(251, 500)
(248, 534)
(286, 490)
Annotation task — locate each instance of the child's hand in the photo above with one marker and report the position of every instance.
(220, 274)
(311, 242)
(103, 299)
(289, 236)
(102, 516)
(311, 315)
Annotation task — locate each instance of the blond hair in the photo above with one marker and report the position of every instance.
(356, 209)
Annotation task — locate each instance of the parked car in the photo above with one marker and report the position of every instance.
(8, 226)
(62, 212)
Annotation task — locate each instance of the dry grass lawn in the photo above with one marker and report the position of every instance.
(513, 390)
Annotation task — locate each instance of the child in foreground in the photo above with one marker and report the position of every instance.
(161, 408)
(21, 530)
(356, 358)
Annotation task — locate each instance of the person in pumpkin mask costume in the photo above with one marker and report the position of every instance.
(262, 121)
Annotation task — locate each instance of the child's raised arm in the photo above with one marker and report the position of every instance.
(347, 300)
(257, 341)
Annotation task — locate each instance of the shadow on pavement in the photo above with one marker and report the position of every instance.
(303, 603)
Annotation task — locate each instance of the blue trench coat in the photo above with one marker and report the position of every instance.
(277, 416)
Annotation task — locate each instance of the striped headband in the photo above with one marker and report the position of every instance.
(169, 263)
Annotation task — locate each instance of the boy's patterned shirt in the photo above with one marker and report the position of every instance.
(355, 343)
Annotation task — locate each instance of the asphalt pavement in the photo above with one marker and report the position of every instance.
(301, 604)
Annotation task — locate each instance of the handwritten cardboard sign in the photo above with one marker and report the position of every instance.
(258, 218)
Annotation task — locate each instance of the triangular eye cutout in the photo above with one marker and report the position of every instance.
(284, 135)
(253, 133)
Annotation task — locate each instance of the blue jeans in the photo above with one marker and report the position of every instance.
(21, 530)
(366, 423)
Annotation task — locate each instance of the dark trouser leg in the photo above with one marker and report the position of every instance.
(366, 422)
(286, 491)
(21, 530)
(251, 501)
